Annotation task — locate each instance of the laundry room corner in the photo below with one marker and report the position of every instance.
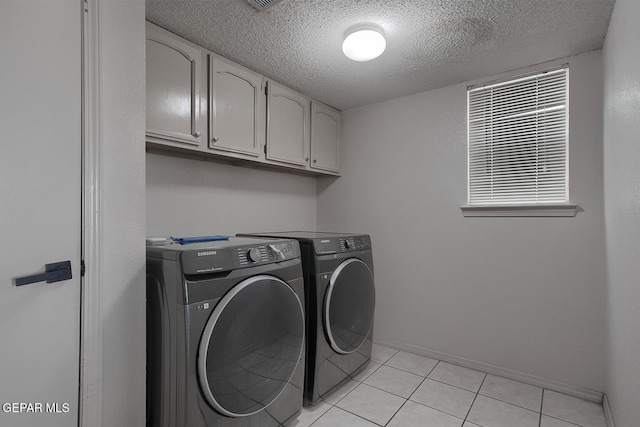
(524, 294)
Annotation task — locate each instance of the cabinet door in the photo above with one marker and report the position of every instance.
(174, 70)
(236, 109)
(287, 126)
(325, 138)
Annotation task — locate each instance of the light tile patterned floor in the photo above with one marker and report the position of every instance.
(400, 389)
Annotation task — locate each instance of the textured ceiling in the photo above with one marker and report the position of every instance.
(430, 43)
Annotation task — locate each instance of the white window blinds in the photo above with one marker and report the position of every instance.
(518, 141)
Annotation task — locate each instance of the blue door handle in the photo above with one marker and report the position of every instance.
(55, 272)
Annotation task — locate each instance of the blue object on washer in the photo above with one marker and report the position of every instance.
(187, 240)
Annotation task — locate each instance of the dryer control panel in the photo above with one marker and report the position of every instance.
(336, 245)
(355, 243)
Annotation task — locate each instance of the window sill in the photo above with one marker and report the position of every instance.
(565, 210)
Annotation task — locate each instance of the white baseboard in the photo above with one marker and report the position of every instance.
(579, 392)
(608, 415)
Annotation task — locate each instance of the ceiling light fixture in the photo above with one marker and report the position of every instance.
(364, 42)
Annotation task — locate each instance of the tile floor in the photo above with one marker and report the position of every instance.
(400, 389)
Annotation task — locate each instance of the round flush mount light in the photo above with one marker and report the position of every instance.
(364, 42)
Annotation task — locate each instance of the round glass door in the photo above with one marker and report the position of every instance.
(349, 306)
(251, 346)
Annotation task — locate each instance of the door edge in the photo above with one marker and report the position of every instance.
(91, 324)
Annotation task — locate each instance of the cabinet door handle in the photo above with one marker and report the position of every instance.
(55, 272)
(197, 134)
(314, 160)
(215, 139)
(306, 159)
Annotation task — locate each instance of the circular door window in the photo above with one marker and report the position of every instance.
(349, 306)
(251, 346)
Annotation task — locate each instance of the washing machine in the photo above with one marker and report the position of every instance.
(339, 302)
(225, 333)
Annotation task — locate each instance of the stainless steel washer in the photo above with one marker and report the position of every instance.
(225, 333)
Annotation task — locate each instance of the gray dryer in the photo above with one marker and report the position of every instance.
(340, 304)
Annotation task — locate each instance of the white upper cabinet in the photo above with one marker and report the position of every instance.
(287, 126)
(200, 102)
(174, 73)
(236, 109)
(325, 138)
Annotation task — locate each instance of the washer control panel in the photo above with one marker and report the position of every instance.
(214, 257)
(281, 251)
(264, 254)
(252, 255)
(207, 260)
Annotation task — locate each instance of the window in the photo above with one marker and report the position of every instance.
(518, 144)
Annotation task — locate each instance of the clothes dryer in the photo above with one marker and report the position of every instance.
(225, 333)
(340, 304)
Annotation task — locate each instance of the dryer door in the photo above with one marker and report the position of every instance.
(251, 346)
(349, 306)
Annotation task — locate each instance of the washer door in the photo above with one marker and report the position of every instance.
(349, 306)
(251, 346)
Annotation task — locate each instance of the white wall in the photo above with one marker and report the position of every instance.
(123, 214)
(524, 294)
(622, 209)
(196, 198)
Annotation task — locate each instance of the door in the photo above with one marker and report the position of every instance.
(349, 306)
(236, 111)
(325, 138)
(174, 94)
(40, 210)
(251, 346)
(287, 126)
